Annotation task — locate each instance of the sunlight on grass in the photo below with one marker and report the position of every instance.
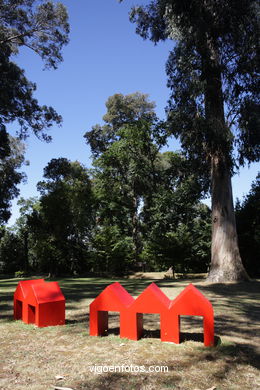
(33, 357)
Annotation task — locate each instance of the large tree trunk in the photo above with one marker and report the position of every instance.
(226, 264)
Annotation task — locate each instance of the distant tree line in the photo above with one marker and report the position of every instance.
(137, 208)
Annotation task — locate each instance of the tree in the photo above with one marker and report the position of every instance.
(248, 228)
(61, 225)
(125, 150)
(214, 106)
(22, 230)
(11, 252)
(11, 159)
(41, 26)
(175, 224)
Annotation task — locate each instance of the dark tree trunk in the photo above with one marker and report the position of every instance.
(226, 264)
(26, 255)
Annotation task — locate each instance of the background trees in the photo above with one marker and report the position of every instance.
(125, 149)
(176, 226)
(212, 75)
(147, 202)
(61, 227)
(11, 159)
(137, 204)
(248, 228)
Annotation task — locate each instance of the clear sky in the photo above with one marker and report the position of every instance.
(105, 56)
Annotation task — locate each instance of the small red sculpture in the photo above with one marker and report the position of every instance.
(191, 302)
(40, 303)
(20, 307)
(152, 300)
(113, 298)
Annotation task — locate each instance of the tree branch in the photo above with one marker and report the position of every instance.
(12, 38)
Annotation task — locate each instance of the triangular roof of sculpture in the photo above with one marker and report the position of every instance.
(190, 296)
(24, 286)
(45, 293)
(152, 299)
(113, 297)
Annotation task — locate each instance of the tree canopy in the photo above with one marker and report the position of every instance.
(41, 26)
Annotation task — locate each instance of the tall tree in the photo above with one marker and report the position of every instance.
(125, 149)
(214, 104)
(41, 26)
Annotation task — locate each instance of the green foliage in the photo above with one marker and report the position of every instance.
(11, 253)
(125, 150)
(145, 199)
(112, 252)
(178, 237)
(11, 159)
(41, 26)
(61, 225)
(209, 36)
(19, 274)
(248, 228)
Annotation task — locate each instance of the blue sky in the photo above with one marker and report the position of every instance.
(104, 57)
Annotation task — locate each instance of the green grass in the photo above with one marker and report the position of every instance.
(32, 357)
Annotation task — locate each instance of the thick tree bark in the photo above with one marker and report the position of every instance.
(226, 264)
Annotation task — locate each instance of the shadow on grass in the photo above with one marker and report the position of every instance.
(132, 380)
(223, 361)
(237, 312)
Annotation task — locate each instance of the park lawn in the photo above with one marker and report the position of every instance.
(32, 357)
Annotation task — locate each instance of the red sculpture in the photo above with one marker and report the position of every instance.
(113, 298)
(40, 303)
(20, 307)
(152, 300)
(191, 302)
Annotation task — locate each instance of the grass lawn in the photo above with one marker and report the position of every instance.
(33, 358)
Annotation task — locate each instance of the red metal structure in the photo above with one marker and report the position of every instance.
(152, 301)
(20, 307)
(190, 302)
(113, 298)
(40, 303)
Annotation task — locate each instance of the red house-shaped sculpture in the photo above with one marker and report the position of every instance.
(191, 302)
(152, 300)
(20, 307)
(40, 303)
(113, 298)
